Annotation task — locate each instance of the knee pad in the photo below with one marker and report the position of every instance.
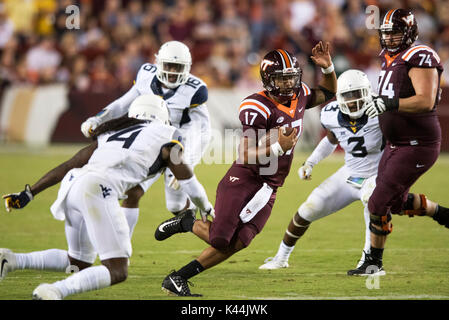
(386, 227)
(219, 243)
(409, 209)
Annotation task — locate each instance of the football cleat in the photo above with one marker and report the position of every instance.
(369, 267)
(46, 291)
(274, 263)
(174, 284)
(7, 262)
(174, 225)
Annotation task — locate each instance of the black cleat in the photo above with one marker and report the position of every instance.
(178, 286)
(442, 216)
(370, 267)
(178, 224)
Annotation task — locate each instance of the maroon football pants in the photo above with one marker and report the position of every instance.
(399, 168)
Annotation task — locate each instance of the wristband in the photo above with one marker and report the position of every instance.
(328, 70)
(391, 104)
(277, 149)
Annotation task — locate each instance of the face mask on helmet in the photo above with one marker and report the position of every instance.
(173, 64)
(392, 40)
(286, 83)
(281, 75)
(353, 103)
(398, 31)
(353, 93)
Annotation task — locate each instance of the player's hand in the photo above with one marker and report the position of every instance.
(321, 55)
(287, 142)
(18, 200)
(208, 212)
(305, 172)
(88, 126)
(375, 107)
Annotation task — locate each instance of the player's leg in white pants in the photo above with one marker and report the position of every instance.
(365, 193)
(96, 224)
(131, 206)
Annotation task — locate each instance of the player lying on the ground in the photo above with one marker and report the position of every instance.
(361, 139)
(127, 151)
(246, 194)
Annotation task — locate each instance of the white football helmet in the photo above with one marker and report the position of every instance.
(353, 93)
(149, 107)
(173, 63)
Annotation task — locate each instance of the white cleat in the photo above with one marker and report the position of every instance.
(274, 263)
(7, 262)
(46, 291)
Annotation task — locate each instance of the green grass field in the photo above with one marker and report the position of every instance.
(416, 258)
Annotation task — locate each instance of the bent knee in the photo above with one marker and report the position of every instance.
(118, 274)
(219, 243)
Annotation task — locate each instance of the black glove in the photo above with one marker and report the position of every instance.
(18, 200)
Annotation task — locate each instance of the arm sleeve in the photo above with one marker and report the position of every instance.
(322, 150)
(196, 192)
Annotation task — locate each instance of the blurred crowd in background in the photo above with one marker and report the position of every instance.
(227, 38)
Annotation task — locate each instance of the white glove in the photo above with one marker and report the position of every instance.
(209, 211)
(88, 126)
(375, 107)
(305, 172)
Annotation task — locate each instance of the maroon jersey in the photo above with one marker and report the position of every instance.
(260, 112)
(402, 128)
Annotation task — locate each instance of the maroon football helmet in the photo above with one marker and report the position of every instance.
(281, 75)
(395, 22)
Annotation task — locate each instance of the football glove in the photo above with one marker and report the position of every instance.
(375, 107)
(305, 172)
(88, 126)
(208, 212)
(379, 105)
(18, 200)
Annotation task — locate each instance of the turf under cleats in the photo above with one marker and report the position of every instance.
(369, 267)
(176, 285)
(183, 222)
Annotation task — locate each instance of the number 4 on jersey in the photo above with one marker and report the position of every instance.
(128, 141)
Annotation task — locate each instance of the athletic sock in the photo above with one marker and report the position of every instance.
(92, 278)
(132, 215)
(190, 270)
(377, 254)
(284, 251)
(52, 260)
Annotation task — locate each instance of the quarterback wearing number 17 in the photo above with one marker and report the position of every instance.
(272, 124)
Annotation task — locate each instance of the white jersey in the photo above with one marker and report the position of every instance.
(132, 155)
(186, 105)
(361, 139)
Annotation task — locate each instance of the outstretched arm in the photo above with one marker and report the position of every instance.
(54, 176)
(325, 148)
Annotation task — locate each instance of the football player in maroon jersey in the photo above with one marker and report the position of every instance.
(409, 92)
(246, 194)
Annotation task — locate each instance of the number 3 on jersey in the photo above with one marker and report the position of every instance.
(385, 87)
